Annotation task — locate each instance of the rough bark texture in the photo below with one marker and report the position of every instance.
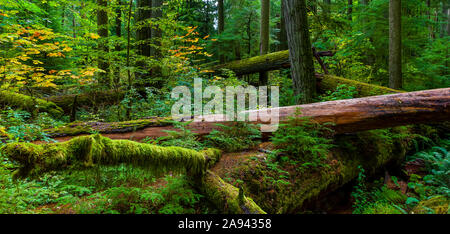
(118, 48)
(347, 116)
(156, 39)
(102, 25)
(395, 44)
(282, 37)
(327, 6)
(90, 99)
(272, 61)
(221, 27)
(300, 53)
(264, 37)
(143, 37)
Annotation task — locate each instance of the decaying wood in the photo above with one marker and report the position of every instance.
(351, 115)
(263, 63)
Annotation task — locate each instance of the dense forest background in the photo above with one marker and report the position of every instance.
(118, 60)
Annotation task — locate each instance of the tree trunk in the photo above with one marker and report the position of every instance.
(347, 116)
(102, 24)
(350, 10)
(118, 48)
(283, 34)
(300, 53)
(156, 47)
(395, 44)
(327, 6)
(445, 25)
(143, 37)
(221, 13)
(264, 37)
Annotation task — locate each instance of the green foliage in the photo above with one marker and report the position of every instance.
(235, 137)
(342, 92)
(437, 181)
(183, 138)
(19, 126)
(303, 140)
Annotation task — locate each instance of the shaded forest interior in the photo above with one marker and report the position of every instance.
(86, 106)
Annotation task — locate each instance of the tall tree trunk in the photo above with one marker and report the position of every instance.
(350, 9)
(102, 27)
(74, 23)
(283, 35)
(445, 25)
(221, 13)
(156, 32)
(395, 44)
(300, 53)
(264, 37)
(118, 48)
(327, 6)
(143, 37)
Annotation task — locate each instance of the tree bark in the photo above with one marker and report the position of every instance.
(102, 24)
(327, 6)
(300, 53)
(395, 44)
(350, 10)
(283, 34)
(445, 25)
(221, 28)
(347, 116)
(118, 48)
(264, 37)
(156, 38)
(143, 37)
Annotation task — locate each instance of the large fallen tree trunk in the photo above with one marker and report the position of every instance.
(289, 189)
(28, 103)
(88, 151)
(351, 115)
(278, 60)
(71, 102)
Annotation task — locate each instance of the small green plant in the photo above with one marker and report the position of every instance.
(236, 137)
(302, 141)
(183, 138)
(342, 92)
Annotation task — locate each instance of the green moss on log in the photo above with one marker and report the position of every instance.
(328, 82)
(79, 128)
(88, 151)
(371, 149)
(228, 198)
(268, 62)
(32, 105)
(89, 99)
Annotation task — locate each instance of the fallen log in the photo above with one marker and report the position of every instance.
(30, 104)
(88, 151)
(347, 116)
(279, 60)
(373, 150)
(71, 102)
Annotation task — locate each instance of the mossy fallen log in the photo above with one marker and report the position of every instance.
(120, 128)
(278, 193)
(88, 151)
(90, 99)
(329, 82)
(30, 104)
(278, 60)
(263, 63)
(347, 116)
